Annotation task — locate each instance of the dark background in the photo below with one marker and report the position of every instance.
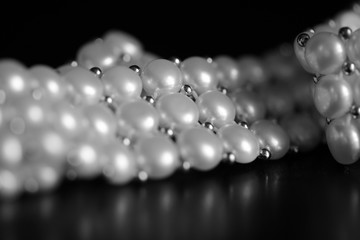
(304, 196)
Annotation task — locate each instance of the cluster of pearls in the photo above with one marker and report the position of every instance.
(331, 52)
(123, 113)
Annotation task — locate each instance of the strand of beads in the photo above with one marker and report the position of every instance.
(124, 113)
(330, 52)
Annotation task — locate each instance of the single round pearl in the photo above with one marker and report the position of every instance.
(333, 96)
(240, 141)
(87, 88)
(161, 76)
(228, 71)
(122, 83)
(271, 136)
(11, 149)
(199, 74)
(251, 70)
(120, 164)
(343, 140)
(122, 43)
(157, 156)
(353, 48)
(325, 53)
(51, 85)
(137, 118)
(216, 108)
(177, 111)
(300, 50)
(200, 147)
(10, 183)
(249, 105)
(96, 54)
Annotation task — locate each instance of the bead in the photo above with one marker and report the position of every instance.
(325, 53)
(316, 79)
(348, 68)
(271, 136)
(345, 33)
(229, 157)
(149, 99)
(176, 60)
(355, 111)
(240, 141)
(97, 71)
(243, 124)
(157, 156)
(160, 77)
(216, 108)
(223, 90)
(189, 92)
(333, 96)
(302, 39)
(264, 154)
(299, 49)
(201, 148)
(208, 125)
(199, 74)
(136, 69)
(228, 71)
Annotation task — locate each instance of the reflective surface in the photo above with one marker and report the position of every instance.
(299, 197)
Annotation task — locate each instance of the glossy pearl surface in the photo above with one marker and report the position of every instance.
(353, 48)
(177, 111)
(252, 70)
(199, 74)
(200, 147)
(325, 53)
(96, 54)
(240, 141)
(333, 96)
(157, 156)
(271, 136)
(216, 108)
(161, 76)
(228, 71)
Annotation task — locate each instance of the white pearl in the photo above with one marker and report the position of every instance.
(343, 140)
(240, 141)
(271, 136)
(157, 156)
(177, 111)
(200, 147)
(300, 52)
(137, 118)
(43, 177)
(11, 149)
(353, 48)
(161, 76)
(10, 183)
(228, 71)
(199, 74)
(333, 96)
(216, 108)
(252, 71)
(325, 53)
(349, 19)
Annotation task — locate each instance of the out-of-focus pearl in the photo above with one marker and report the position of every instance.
(228, 72)
(137, 118)
(96, 54)
(120, 164)
(122, 43)
(325, 53)
(122, 83)
(216, 108)
(157, 156)
(343, 140)
(353, 48)
(348, 19)
(271, 136)
(333, 96)
(241, 142)
(161, 76)
(200, 147)
(10, 183)
(50, 83)
(199, 74)
(251, 70)
(177, 111)
(11, 150)
(278, 100)
(87, 87)
(299, 48)
(248, 106)
(42, 177)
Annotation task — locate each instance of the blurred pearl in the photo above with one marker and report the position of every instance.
(87, 87)
(200, 147)
(228, 72)
(50, 83)
(271, 136)
(10, 184)
(177, 111)
(137, 118)
(199, 74)
(343, 140)
(63, 69)
(353, 48)
(122, 43)
(157, 156)
(325, 53)
(120, 165)
(348, 19)
(249, 106)
(240, 141)
(122, 83)
(96, 54)
(161, 76)
(252, 70)
(11, 149)
(333, 96)
(278, 100)
(300, 50)
(46, 176)
(216, 108)
(354, 82)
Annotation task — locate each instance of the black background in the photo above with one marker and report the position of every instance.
(306, 196)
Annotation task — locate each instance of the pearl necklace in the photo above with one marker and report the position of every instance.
(330, 52)
(123, 113)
